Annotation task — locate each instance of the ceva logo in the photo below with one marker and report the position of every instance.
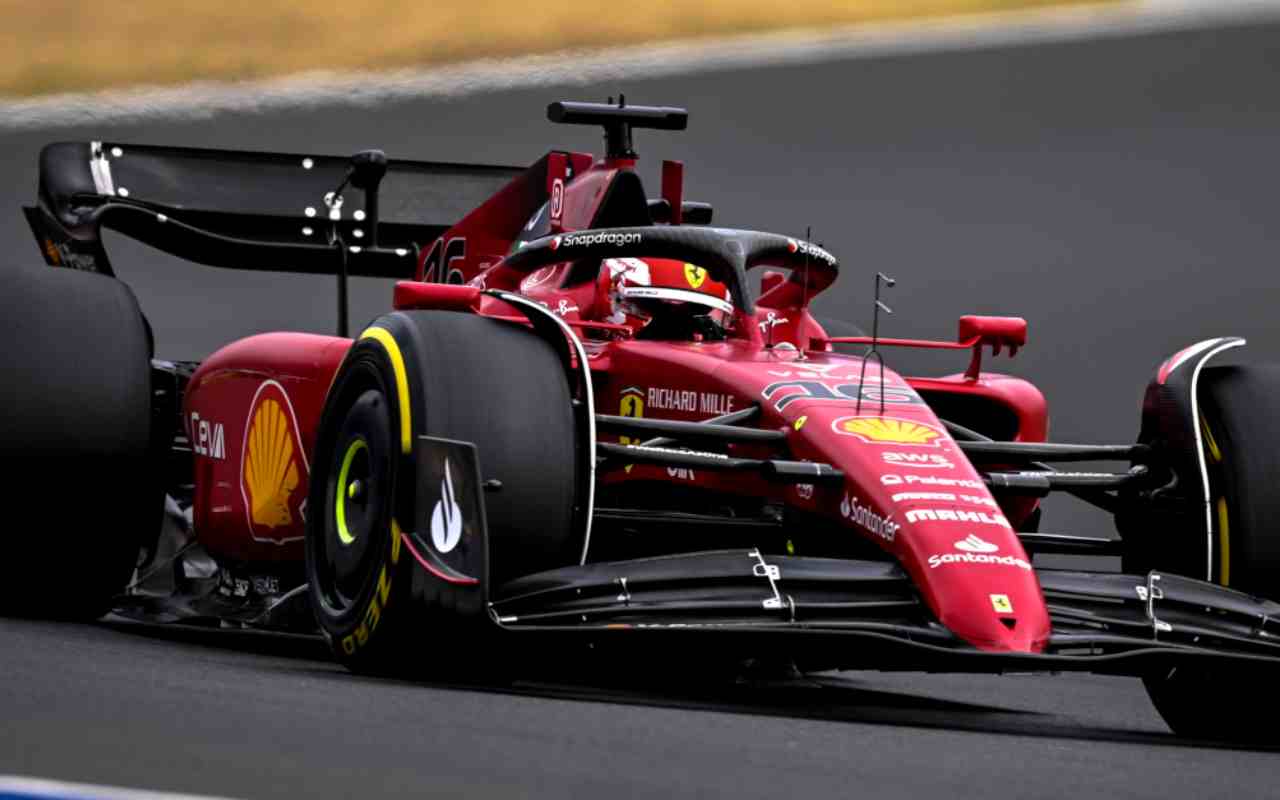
(972, 544)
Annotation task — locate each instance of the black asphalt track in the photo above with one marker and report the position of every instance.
(1121, 195)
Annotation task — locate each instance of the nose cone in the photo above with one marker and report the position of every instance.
(984, 591)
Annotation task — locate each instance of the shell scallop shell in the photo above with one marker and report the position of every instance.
(881, 429)
(271, 473)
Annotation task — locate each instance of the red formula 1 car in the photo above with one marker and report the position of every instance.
(594, 420)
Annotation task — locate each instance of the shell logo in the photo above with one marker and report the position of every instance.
(273, 466)
(888, 430)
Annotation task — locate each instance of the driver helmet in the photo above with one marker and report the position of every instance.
(642, 288)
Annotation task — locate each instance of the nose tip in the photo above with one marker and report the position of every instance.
(999, 633)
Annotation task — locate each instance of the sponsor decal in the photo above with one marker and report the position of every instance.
(673, 451)
(771, 321)
(557, 201)
(804, 491)
(266, 584)
(712, 403)
(889, 430)
(682, 473)
(945, 497)
(681, 295)
(810, 250)
(930, 480)
(231, 586)
(867, 519)
(787, 392)
(207, 438)
(974, 550)
(922, 460)
(954, 515)
(631, 405)
(273, 467)
(564, 308)
(1001, 604)
(695, 275)
(446, 517)
(973, 544)
(799, 423)
(378, 602)
(601, 237)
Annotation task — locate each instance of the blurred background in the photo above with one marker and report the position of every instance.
(72, 45)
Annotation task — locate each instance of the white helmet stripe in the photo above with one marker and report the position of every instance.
(680, 295)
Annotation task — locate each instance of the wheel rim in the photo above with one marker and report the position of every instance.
(352, 490)
(357, 501)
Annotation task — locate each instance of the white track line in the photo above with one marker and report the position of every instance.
(14, 786)
(638, 62)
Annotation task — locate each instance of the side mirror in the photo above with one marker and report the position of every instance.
(995, 331)
(999, 332)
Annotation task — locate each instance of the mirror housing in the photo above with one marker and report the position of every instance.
(999, 332)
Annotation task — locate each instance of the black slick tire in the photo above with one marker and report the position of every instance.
(76, 436)
(456, 376)
(1240, 424)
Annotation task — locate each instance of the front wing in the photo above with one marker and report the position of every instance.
(835, 613)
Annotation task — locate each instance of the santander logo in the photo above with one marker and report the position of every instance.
(973, 544)
(446, 517)
(974, 550)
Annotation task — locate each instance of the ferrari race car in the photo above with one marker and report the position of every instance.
(593, 421)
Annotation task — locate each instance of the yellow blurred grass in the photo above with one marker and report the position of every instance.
(72, 45)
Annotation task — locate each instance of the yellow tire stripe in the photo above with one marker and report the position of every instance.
(1224, 542)
(1215, 452)
(388, 342)
(395, 541)
(1224, 529)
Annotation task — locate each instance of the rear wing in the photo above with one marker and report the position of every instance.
(249, 210)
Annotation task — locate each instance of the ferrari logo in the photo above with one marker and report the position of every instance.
(631, 405)
(1001, 604)
(695, 275)
(888, 430)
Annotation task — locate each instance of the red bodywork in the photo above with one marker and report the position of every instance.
(253, 407)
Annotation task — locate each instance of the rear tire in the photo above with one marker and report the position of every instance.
(76, 435)
(468, 378)
(1241, 431)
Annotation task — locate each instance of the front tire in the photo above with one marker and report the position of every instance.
(1240, 426)
(447, 375)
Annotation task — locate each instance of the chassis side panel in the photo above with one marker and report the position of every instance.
(251, 412)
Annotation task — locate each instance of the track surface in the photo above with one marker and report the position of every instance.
(1120, 195)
